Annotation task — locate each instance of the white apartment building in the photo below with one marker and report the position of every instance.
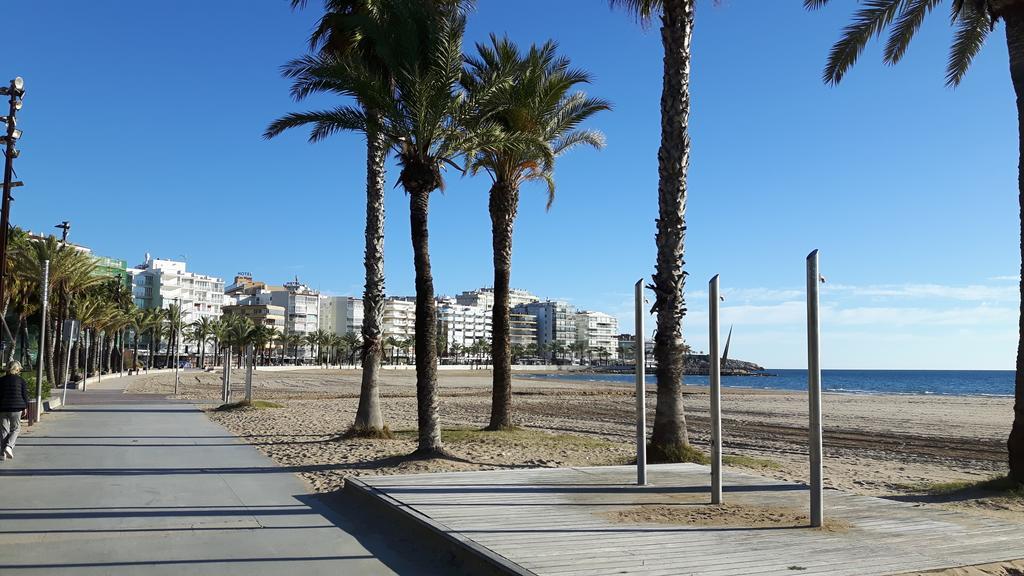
(341, 314)
(556, 323)
(599, 331)
(158, 283)
(301, 306)
(484, 298)
(463, 325)
(399, 318)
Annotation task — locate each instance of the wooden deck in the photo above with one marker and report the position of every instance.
(555, 522)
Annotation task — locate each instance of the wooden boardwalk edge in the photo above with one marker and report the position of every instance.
(470, 555)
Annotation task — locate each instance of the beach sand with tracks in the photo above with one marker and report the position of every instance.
(905, 447)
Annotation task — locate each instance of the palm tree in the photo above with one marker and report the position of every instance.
(282, 340)
(71, 273)
(353, 343)
(421, 113)
(90, 312)
(202, 330)
(150, 323)
(669, 440)
(220, 335)
(974, 20)
(338, 36)
(530, 96)
(260, 336)
(175, 316)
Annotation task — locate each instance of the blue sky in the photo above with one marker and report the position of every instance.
(143, 119)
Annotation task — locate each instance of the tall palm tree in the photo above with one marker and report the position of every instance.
(201, 332)
(669, 440)
(420, 112)
(531, 96)
(338, 36)
(974, 20)
(175, 316)
(71, 272)
(353, 343)
(220, 335)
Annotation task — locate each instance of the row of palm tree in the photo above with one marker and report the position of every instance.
(502, 111)
(401, 61)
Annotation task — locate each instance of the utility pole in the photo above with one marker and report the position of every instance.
(16, 91)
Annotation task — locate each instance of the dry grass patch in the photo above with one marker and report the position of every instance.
(729, 515)
(243, 405)
(750, 462)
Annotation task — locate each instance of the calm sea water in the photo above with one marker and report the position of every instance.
(945, 382)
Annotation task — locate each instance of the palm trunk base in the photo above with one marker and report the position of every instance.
(672, 453)
(1015, 447)
(381, 433)
(432, 453)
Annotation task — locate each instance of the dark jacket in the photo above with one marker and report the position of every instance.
(13, 393)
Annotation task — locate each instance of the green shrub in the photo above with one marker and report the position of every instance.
(31, 379)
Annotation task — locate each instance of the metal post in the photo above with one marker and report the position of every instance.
(67, 375)
(121, 360)
(177, 336)
(641, 389)
(715, 377)
(227, 375)
(814, 388)
(248, 373)
(42, 340)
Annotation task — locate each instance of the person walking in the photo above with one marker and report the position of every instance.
(13, 407)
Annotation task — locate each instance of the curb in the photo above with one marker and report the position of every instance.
(472, 556)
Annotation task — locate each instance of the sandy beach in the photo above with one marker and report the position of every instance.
(898, 447)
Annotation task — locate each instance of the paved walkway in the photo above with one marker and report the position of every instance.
(125, 487)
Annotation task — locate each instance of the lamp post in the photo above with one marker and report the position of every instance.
(15, 91)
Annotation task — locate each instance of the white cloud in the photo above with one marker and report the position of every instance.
(974, 292)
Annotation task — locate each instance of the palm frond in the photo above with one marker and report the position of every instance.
(906, 26)
(868, 22)
(324, 122)
(643, 10)
(974, 24)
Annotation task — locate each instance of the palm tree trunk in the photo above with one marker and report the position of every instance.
(669, 437)
(419, 182)
(50, 352)
(368, 413)
(135, 354)
(1015, 42)
(86, 375)
(504, 200)
(14, 341)
(152, 351)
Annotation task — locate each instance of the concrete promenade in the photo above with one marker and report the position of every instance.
(118, 484)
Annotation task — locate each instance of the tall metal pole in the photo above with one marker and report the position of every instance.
(177, 335)
(814, 388)
(641, 389)
(124, 332)
(42, 340)
(14, 91)
(248, 372)
(715, 377)
(67, 368)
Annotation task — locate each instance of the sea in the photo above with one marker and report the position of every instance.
(938, 382)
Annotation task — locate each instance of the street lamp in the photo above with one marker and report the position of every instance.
(15, 91)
